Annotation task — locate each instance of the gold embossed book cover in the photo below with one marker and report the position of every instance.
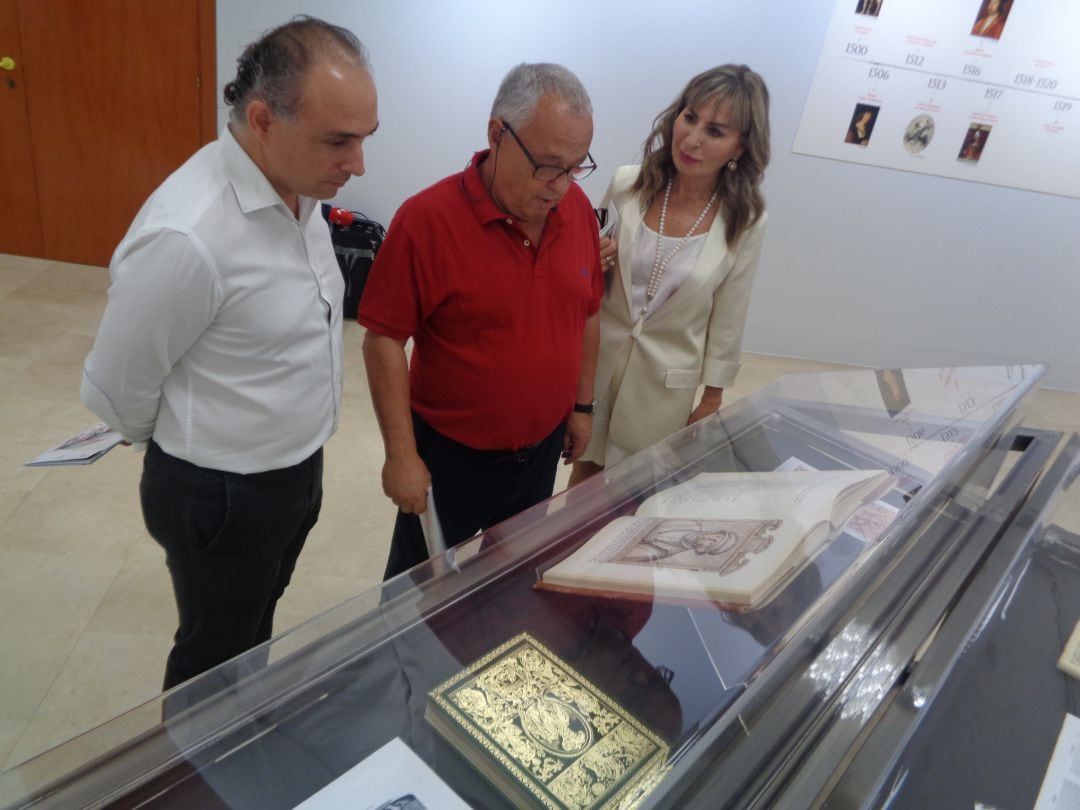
(543, 734)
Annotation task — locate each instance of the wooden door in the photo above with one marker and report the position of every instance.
(20, 221)
(118, 93)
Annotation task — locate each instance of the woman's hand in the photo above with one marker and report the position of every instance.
(710, 404)
(609, 254)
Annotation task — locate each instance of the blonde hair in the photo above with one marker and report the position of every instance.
(741, 202)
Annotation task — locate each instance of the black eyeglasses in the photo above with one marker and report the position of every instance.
(549, 173)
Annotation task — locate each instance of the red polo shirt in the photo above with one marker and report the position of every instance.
(496, 326)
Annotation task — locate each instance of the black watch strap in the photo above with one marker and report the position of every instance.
(584, 407)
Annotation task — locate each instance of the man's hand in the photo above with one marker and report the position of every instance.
(405, 477)
(576, 438)
(405, 481)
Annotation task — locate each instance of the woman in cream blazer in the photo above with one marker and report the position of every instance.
(650, 366)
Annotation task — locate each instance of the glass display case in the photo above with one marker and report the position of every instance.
(849, 589)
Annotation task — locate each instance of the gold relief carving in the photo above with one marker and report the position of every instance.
(544, 732)
(557, 727)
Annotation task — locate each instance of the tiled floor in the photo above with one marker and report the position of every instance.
(86, 612)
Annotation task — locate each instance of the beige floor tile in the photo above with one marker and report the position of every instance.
(10, 731)
(355, 382)
(88, 512)
(11, 278)
(51, 592)
(357, 444)
(50, 418)
(314, 594)
(352, 536)
(43, 423)
(14, 477)
(28, 329)
(45, 604)
(140, 600)
(15, 271)
(32, 658)
(1058, 409)
(105, 675)
(65, 284)
(56, 369)
(9, 502)
(19, 266)
(345, 546)
(11, 367)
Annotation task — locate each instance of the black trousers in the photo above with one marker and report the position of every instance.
(474, 489)
(231, 542)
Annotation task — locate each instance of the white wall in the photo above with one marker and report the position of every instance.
(861, 265)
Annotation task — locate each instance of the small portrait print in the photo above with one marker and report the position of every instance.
(919, 133)
(862, 124)
(870, 521)
(870, 8)
(990, 21)
(893, 390)
(974, 143)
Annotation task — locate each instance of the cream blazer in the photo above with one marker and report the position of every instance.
(646, 384)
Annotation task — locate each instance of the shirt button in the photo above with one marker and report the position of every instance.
(509, 221)
(526, 243)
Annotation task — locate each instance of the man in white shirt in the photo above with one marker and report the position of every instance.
(221, 345)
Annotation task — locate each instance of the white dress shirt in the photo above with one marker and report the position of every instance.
(221, 338)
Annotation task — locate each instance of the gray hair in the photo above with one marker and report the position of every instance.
(523, 86)
(272, 69)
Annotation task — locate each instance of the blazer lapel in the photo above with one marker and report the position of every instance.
(629, 222)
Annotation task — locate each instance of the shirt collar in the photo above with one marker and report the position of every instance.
(253, 191)
(476, 192)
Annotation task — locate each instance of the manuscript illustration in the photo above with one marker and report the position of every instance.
(730, 538)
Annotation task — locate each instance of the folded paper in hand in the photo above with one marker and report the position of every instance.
(84, 447)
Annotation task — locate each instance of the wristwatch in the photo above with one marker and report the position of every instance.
(584, 407)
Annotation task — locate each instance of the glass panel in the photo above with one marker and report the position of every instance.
(274, 726)
(977, 722)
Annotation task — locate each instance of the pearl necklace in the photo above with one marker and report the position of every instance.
(659, 266)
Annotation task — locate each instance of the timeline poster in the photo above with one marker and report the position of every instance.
(983, 90)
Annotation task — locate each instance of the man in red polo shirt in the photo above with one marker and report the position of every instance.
(494, 273)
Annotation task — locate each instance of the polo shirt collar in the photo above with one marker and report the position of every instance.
(253, 191)
(476, 192)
